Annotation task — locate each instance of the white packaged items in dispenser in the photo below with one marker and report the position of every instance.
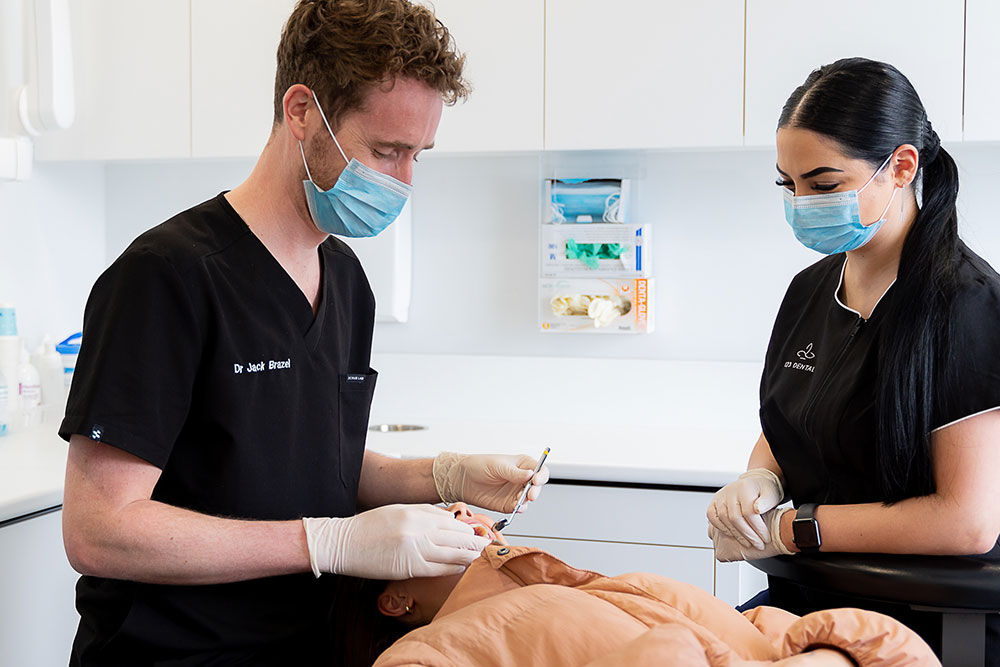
(596, 305)
(587, 200)
(599, 249)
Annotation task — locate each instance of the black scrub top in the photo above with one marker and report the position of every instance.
(201, 356)
(818, 390)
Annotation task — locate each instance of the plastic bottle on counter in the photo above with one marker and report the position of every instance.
(4, 410)
(10, 349)
(50, 369)
(69, 350)
(29, 388)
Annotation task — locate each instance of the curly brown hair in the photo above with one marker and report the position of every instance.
(342, 48)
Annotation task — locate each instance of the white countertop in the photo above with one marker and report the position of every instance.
(631, 455)
(32, 468)
(625, 421)
(616, 420)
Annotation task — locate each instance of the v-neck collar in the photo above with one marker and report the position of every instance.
(836, 294)
(288, 291)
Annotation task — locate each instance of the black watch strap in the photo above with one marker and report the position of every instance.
(805, 529)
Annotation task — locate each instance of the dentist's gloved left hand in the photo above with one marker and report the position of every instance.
(491, 481)
(729, 549)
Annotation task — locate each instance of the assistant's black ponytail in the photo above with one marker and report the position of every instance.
(870, 109)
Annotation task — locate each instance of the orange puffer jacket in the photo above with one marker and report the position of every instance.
(519, 606)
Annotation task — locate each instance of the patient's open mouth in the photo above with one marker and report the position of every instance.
(482, 531)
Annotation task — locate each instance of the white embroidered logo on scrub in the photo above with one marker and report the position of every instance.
(805, 355)
(261, 366)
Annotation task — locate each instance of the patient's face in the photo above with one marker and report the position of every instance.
(425, 595)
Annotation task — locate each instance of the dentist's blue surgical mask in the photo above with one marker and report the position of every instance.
(362, 202)
(830, 223)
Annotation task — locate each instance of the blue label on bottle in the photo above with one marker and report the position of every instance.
(8, 322)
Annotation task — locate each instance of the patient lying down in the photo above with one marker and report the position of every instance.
(517, 606)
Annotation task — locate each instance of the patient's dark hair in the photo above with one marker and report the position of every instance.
(360, 634)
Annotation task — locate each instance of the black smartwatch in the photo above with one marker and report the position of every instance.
(805, 529)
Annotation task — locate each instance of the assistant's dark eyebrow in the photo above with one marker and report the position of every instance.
(820, 170)
(809, 174)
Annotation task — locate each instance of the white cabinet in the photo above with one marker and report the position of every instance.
(38, 617)
(787, 39)
(504, 48)
(616, 529)
(233, 47)
(982, 71)
(132, 67)
(640, 74)
(690, 565)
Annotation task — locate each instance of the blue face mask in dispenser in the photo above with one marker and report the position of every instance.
(362, 202)
(831, 223)
(586, 200)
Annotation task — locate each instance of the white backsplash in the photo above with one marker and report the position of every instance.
(52, 246)
(723, 254)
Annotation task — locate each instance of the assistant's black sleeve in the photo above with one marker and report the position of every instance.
(968, 373)
(140, 352)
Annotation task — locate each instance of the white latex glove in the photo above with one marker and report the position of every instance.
(736, 508)
(728, 548)
(492, 481)
(392, 542)
(603, 311)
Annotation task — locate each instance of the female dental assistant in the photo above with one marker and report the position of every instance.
(881, 384)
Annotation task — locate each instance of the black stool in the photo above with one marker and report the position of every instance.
(963, 589)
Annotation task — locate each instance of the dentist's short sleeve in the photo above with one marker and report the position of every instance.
(968, 373)
(132, 386)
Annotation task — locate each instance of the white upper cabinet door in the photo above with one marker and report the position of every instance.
(504, 48)
(132, 70)
(233, 49)
(982, 71)
(641, 74)
(787, 39)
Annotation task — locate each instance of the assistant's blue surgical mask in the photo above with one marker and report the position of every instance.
(830, 223)
(362, 202)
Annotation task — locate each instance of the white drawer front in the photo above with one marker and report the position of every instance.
(616, 514)
(692, 565)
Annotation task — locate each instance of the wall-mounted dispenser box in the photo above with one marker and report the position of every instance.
(578, 200)
(595, 250)
(594, 305)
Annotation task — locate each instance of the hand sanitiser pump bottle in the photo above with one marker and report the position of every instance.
(29, 389)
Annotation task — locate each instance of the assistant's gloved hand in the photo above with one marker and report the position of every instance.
(728, 548)
(492, 481)
(392, 542)
(736, 508)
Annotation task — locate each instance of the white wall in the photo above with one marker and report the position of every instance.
(52, 246)
(723, 252)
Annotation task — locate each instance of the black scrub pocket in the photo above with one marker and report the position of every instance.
(356, 391)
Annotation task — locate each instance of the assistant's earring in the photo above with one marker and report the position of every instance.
(407, 609)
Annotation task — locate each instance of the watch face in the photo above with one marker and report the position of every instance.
(805, 533)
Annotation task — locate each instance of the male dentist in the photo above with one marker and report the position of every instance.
(217, 419)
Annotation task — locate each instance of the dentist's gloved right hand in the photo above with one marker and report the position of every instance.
(736, 508)
(392, 542)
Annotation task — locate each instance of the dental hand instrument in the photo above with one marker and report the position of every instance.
(503, 523)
